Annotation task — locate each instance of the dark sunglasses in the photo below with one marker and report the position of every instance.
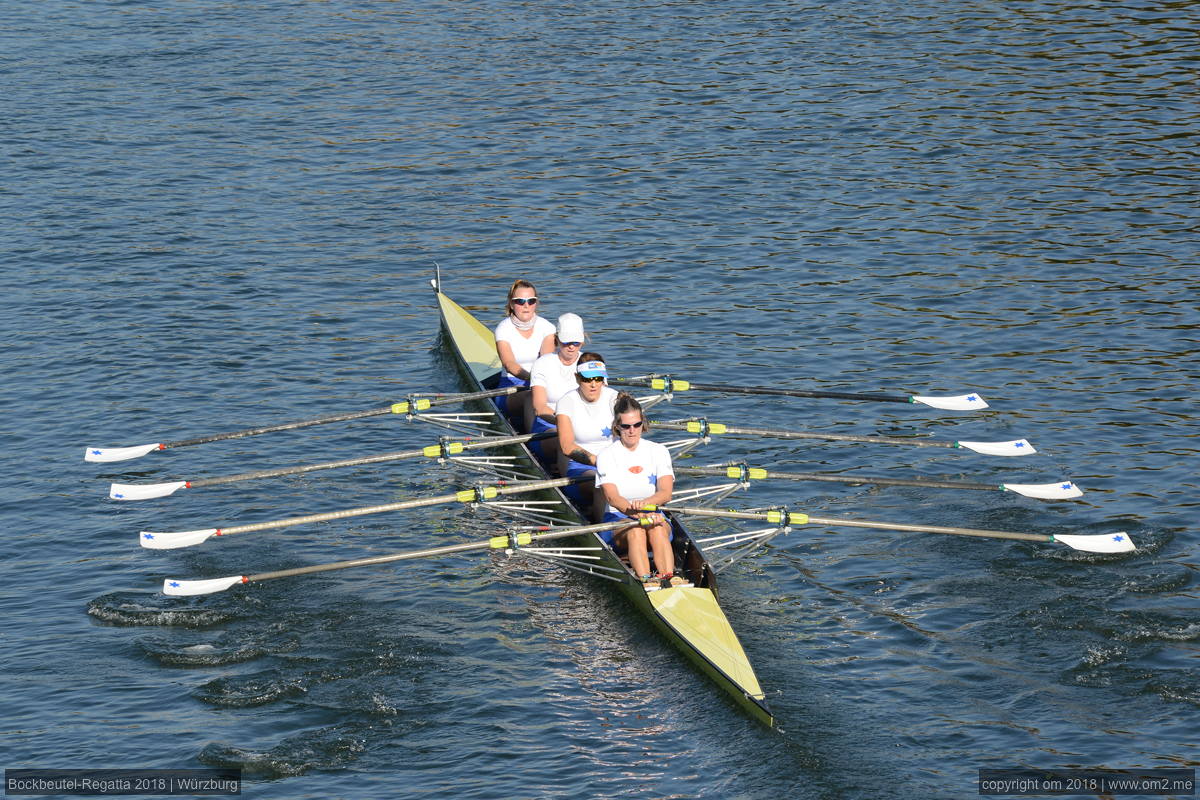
(593, 379)
(521, 301)
(631, 426)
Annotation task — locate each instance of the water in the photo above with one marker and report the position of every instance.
(223, 216)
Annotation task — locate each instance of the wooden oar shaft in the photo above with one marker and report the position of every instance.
(794, 518)
(899, 526)
(344, 417)
(732, 472)
(466, 496)
(715, 387)
(275, 473)
(498, 441)
(432, 552)
(721, 428)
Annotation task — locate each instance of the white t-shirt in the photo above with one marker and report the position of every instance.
(635, 473)
(591, 422)
(557, 378)
(525, 351)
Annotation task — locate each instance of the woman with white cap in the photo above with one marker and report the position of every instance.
(552, 376)
(585, 418)
(521, 337)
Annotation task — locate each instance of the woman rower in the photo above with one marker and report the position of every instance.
(635, 473)
(552, 376)
(521, 337)
(585, 421)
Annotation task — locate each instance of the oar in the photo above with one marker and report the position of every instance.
(444, 449)
(107, 454)
(962, 402)
(1099, 543)
(512, 540)
(169, 540)
(1063, 490)
(1017, 447)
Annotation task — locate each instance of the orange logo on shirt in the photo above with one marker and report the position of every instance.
(635, 470)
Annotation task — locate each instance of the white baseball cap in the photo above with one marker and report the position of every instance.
(570, 328)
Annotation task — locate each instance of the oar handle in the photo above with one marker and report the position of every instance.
(446, 447)
(285, 426)
(303, 468)
(739, 472)
(784, 517)
(513, 539)
(479, 494)
(704, 428)
(899, 526)
(416, 403)
(665, 383)
(658, 382)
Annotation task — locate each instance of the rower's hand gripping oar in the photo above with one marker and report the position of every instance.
(1062, 490)
(170, 540)
(1098, 543)
(446, 448)
(1017, 447)
(962, 402)
(172, 586)
(109, 454)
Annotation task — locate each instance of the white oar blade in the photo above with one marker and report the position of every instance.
(169, 540)
(186, 588)
(1017, 447)
(1103, 543)
(106, 454)
(143, 491)
(962, 402)
(1064, 490)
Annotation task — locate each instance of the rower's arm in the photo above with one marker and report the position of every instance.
(541, 403)
(614, 498)
(509, 361)
(662, 493)
(566, 442)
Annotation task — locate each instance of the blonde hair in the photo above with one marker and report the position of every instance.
(519, 283)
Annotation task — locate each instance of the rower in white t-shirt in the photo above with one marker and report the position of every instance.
(520, 338)
(585, 418)
(635, 473)
(552, 376)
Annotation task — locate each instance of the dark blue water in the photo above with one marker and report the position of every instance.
(219, 216)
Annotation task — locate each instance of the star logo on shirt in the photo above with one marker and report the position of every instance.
(606, 432)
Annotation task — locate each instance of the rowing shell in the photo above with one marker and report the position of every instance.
(689, 616)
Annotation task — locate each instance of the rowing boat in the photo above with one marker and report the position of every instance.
(689, 616)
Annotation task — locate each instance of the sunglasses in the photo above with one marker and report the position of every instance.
(630, 426)
(521, 301)
(593, 379)
(572, 344)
